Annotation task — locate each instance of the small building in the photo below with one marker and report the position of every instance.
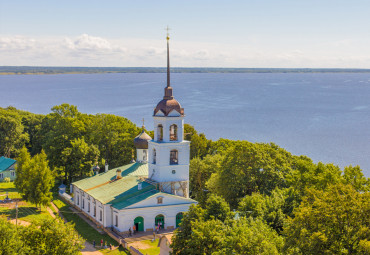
(164, 244)
(7, 168)
(62, 188)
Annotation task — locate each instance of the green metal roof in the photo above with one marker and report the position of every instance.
(5, 163)
(123, 192)
(108, 190)
(134, 169)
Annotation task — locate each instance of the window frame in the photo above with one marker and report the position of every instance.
(160, 132)
(174, 157)
(173, 132)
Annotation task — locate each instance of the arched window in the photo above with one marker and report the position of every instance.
(173, 132)
(160, 132)
(154, 156)
(174, 157)
(145, 156)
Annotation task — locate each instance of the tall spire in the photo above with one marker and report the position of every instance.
(168, 57)
(168, 89)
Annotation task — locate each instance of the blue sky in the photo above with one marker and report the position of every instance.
(258, 33)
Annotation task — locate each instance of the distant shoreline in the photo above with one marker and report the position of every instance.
(40, 70)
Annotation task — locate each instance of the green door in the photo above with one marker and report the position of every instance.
(139, 223)
(159, 219)
(178, 219)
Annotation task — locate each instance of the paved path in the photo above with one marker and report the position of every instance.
(50, 212)
(146, 236)
(57, 210)
(21, 222)
(90, 250)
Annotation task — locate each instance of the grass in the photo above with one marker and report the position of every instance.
(26, 211)
(120, 251)
(86, 231)
(153, 250)
(10, 188)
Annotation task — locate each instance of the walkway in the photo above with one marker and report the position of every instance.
(20, 222)
(140, 236)
(90, 250)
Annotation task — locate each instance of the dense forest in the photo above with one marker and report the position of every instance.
(72, 70)
(254, 198)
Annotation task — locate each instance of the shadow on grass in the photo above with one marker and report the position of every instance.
(87, 231)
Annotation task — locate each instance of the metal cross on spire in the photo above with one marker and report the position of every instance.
(168, 57)
(168, 34)
(143, 123)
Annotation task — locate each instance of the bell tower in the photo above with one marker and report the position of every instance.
(169, 153)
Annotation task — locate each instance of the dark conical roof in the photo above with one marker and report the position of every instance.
(141, 141)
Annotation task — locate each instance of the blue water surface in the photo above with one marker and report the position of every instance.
(325, 116)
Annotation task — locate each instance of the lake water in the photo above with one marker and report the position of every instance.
(325, 116)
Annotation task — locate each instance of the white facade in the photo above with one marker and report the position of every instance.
(124, 219)
(161, 168)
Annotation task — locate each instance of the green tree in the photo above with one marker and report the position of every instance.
(12, 136)
(114, 137)
(333, 221)
(9, 240)
(353, 175)
(200, 233)
(217, 208)
(199, 145)
(51, 236)
(39, 182)
(248, 168)
(199, 174)
(22, 168)
(79, 159)
(60, 127)
(270, 209)
(251, 236)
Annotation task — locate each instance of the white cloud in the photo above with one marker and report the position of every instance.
(88, 50)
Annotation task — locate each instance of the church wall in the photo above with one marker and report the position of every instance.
(108, 215)
(162, 168)
(167, 200)
(127, 216)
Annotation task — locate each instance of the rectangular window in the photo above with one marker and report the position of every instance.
(1, 176)
(78, 200)
(88, 207)
(94, 211)
(83, 203)
(116, 220)
(12, 173)
(174, 157)
(101, 215)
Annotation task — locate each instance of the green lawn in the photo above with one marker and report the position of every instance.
(153, 250)
(26, 211)
(10, 188)
(85, 230)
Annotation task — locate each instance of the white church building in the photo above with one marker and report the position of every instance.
(154, 190)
